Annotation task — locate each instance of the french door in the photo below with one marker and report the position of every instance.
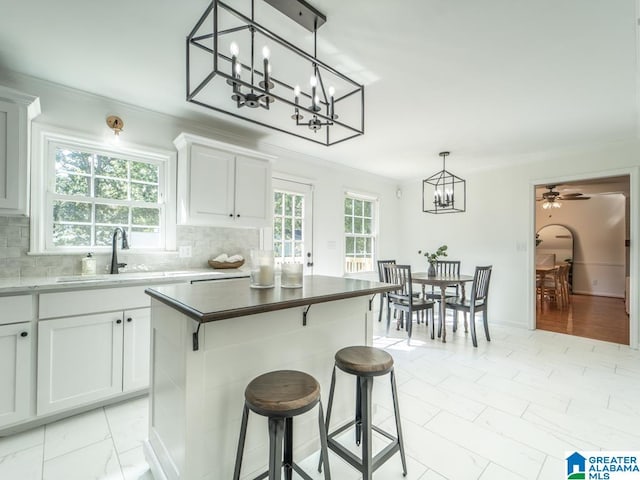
(291, 235)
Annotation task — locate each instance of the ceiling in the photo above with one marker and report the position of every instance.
(489, 81)
(590, 187)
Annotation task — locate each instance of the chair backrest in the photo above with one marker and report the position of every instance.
(382, 272)
(448, 268)
(400, 275)
(480, 287)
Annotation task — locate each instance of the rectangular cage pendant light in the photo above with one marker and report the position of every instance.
(444, 192)
(238, 67)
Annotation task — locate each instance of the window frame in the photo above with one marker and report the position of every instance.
(43, 176)
(375, 204)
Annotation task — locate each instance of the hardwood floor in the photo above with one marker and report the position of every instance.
(600, 318)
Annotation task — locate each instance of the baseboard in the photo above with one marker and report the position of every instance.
(598, 294)
(152, 460)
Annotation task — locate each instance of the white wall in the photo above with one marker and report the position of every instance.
(85, 114)
(498, 227)
(598, 227)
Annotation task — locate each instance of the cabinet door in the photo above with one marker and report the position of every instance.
(79, 360)
(10, 177)
(15, 372)
(211, 174)
(253, 192)
(136, 350)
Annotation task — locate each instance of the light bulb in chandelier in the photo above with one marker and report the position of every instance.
(266, 52)
(234, 49)
(332, 113)
(296, 113)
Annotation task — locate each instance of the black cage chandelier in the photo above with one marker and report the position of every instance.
(444, 192)
(286, 89)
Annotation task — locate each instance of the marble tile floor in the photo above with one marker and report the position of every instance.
(509, 409)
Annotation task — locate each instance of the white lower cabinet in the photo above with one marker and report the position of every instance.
(136, 351)
(79, 360)
(15, 372)
(87, 358)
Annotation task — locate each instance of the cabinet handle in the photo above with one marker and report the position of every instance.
(119, 320)
(231, 214)
(238, 215)
(24, 334)
(129, 319)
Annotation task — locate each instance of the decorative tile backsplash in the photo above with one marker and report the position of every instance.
(205, 243)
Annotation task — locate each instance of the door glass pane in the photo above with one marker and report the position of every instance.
(288, 227)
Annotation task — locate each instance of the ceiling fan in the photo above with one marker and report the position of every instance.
(551, 197)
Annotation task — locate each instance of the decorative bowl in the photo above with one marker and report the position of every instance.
(222, 265)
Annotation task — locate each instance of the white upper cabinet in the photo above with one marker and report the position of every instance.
(16, 112)
(222, 184)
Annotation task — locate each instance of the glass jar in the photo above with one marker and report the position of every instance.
(262, 269)
(291, 275)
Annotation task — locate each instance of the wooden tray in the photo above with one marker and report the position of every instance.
(222, 265)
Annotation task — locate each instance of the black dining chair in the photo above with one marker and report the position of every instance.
(403, 299)
(382, 275)
(477, 301)
(450, 268)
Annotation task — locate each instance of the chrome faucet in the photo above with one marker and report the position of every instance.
(114, 249)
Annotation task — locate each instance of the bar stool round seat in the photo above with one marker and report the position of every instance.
(282, 393)
(280, 396)
(361, 360)
(365, 363)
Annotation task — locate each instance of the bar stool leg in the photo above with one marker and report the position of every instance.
(366, 387)
(243, 434)
(358, 423)
(324, 450)
(328, 418)
(288, 448)
(396, 412)
(276, 434)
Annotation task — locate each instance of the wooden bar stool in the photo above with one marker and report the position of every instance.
(280, 396)
(366, 363)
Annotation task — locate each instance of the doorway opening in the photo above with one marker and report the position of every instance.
(582, 257)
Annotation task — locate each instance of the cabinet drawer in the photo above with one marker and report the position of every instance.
(14, 309)
(92, 301)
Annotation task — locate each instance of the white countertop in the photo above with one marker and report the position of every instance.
(22, 285)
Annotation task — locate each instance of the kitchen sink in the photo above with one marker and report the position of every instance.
(106, 276)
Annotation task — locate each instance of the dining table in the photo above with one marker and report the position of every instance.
(441, 281)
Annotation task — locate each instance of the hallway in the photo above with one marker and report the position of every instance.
(600, 318)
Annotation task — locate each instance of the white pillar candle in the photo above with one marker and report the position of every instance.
(265, 277)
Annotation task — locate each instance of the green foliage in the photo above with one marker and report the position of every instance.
(68, 184)
(433, 257)
(113, 179)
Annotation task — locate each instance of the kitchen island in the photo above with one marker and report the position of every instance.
(209, 340)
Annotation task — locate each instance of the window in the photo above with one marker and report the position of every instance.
(90, 189)
(359, 232)
(288, 221)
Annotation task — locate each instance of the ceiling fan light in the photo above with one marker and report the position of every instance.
(551, 204)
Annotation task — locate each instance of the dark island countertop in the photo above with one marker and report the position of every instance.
(211, 301)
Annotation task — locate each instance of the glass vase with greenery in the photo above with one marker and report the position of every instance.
(432, 258)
